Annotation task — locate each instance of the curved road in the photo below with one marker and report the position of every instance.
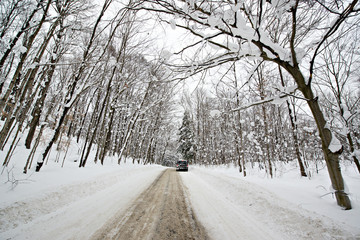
(160, 212)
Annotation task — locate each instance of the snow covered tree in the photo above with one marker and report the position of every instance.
(186, 139)
(337, 82)
(288, 34)
(83, 77)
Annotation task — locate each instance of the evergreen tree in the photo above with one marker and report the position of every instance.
(186, 139)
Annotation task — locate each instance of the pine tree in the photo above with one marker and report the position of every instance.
(186, 139)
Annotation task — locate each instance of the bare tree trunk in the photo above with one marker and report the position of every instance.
(67, 149)
(5, 76)
(70, 97)
(38, 107)
(107, 136)
(23, 29)
(266, 131)
(294, 131)
(267, 140)
(104, 107)
(47, 75)
(128, 134)
(132, 124)
(332, 159)
(9, 19)
(101, 139)
(164, 151)
(238, 127)
(84, 119)
(13, 87)
(12, 147)
(16, 91)
(352, 149)
(93, 123)
(138, 150)
(33, 150)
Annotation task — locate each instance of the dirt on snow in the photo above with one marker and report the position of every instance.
(161, 212)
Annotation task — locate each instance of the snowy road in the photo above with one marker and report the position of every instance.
(153, 202)
(160, 212)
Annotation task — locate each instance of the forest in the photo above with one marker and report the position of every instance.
(275, 80)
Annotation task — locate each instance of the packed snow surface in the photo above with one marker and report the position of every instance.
(73, 203)
(70, 203)
(257, 207)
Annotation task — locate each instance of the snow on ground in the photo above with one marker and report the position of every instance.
(70, 203)
(257, 207)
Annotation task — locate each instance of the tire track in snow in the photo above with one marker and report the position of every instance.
(160, 212)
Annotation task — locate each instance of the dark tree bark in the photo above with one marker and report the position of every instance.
(24, 28)
(47, 75)
(332, 159)
(294, 131)
(20, 92)
(92, 124)
(70, 97)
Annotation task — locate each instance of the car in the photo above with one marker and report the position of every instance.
(182, 165)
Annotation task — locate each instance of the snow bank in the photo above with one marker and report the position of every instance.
(70, 203)
(287, 207)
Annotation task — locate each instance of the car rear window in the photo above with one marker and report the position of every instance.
(179, 162)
